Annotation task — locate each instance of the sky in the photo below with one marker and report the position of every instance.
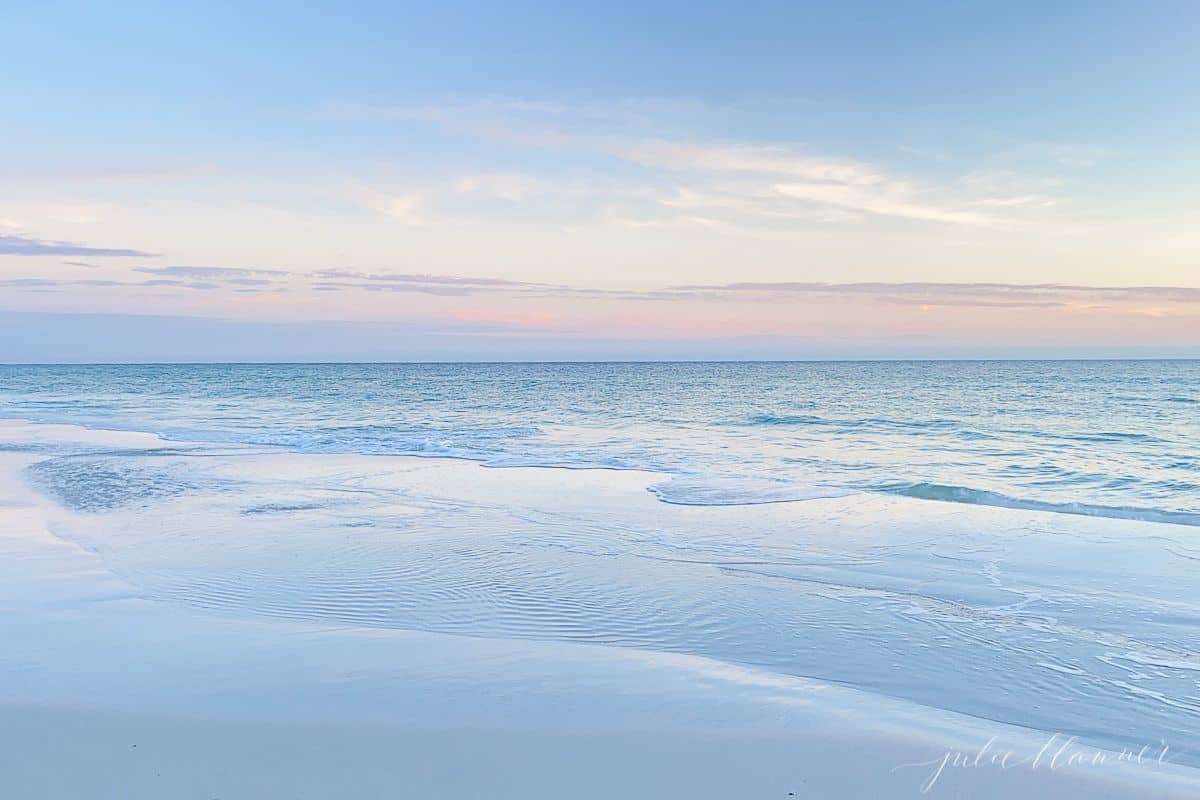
(462, 181)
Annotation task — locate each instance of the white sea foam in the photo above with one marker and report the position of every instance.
(736, 491)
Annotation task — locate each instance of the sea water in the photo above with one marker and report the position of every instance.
(1009, 540)
(1116, 439)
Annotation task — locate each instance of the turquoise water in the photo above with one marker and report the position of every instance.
(1114, 439)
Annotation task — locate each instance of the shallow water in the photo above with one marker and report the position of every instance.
(1050, 622)
(764, 539)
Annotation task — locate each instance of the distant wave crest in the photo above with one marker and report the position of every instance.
(981, 497)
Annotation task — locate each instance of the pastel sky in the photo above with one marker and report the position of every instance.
(262, 180)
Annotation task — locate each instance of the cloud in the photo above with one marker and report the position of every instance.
(751, 201)
(449, 285)
(825, 183)
(328, 280)
(219, 273)
(888, 202)
(404, 206)
(50, 284)
(981, 295)
(56, 284)
(240, 279)
(400, 207)
(22, 246)
(775, 161)
(776, 182)
(1026, 200)
(510, 186)
(177, 283)
(998, 188)
(237, 279)
(1073, 297)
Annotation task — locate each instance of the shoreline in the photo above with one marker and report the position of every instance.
(257, 707)
(790, 492)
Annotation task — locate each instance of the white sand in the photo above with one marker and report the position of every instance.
(106, 694)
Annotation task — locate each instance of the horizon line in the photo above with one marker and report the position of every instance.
(583, 362)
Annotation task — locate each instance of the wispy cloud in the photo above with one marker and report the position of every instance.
(997, 188)
(220, 273)
(954, 294)
(818, 182)
(511, 186)
(240, 279)
(51, 284)
(887, 201)
(404, 207)
(734, 295)
(1017, 201)
(22, 246)
(448, 285)
(774, 161)
(773, 182)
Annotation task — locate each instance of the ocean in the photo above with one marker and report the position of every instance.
(1104, 438)
(1011, 541)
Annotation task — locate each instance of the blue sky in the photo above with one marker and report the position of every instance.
(610, 154)
(229, 79)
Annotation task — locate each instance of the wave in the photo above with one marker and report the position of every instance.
(867, 423)
(948, 427)
(1108, 436)
(789, 419)
(737, 491)
(981, 497)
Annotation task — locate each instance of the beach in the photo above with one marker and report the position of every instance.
(177, 645)
(599, 400)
